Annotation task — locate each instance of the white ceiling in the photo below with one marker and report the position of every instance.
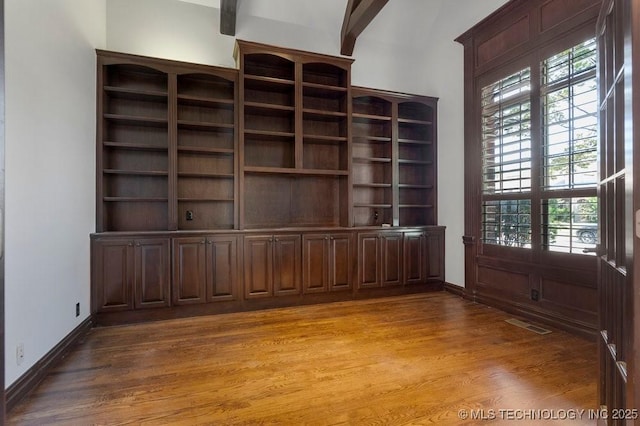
(405, 22)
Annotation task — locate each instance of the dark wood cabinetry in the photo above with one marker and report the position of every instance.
(327, 262)
(380, 259)
(294, 137)
(394, 151)
(130, 273)
(262, 186)
(166, 145)
(205, 269)
(272, 265)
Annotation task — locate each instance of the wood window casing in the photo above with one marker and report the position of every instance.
(553, 287)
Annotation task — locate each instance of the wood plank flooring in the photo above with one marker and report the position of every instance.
(416, 359)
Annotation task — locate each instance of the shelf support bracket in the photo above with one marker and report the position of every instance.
(228, 10)
(358, 15)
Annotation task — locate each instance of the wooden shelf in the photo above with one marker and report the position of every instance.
(258, 81)
(324, 139)
(205, 200)
(206, 102)
(322, 114)
(269, 134)
(135, 172)
(411, 186)
(413, 121)
(372, 185)
(371, 160)
(416, 206)
(370, 117)
(415, 162)
(415, 142)
(134, 199)
(131, 93)
(188, 124)
(206, 175)
(204, 150)
(372, 139)
(293, 171)
(377, 206)
(145, 121)
(134, 146)
(261, 107)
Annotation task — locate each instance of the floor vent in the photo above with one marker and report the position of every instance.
(528, 326)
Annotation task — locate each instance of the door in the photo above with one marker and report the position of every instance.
(315, 263)
(113, 274)
(258, 269)
(618, 252)
(287, 261)
(221, 268)
(340, 262)
(415, 258)
(368, 258)
(391, 261)
(189, 273)
(152, 273)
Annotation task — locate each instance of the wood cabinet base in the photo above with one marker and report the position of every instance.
(222, 272)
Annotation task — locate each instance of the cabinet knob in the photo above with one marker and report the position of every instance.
(326, 238)
(202, 242)
(331, 238)
(130, 244)
(137, 244)
(276, 240)
(209, 242)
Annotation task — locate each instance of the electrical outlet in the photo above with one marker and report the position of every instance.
(535, 295)
(78, 309)
(20, 353)
(189, 215)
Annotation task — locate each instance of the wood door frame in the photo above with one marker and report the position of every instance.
(2, 209)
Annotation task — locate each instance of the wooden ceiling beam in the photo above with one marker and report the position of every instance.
(228, 10)
(358, 15)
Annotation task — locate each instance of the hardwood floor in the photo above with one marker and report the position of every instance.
(416, 359)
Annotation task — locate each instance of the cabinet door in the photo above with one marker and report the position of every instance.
(415, 258)
(287, 255)
(221, 268)
(368, 260)
(113, 275)
(340, 262)
(189, 271)
(391, 247)
(435, 256)
(152, 272)
(315, 263)
(258, 270)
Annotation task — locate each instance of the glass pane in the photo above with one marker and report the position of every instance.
(570, 225)
(507, 223)
(506, 135)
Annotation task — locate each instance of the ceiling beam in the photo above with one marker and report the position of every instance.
(228, 17)
(358, 15)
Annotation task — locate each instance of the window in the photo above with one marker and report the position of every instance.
(565, 152)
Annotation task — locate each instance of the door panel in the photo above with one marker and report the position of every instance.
(114, 275)
(258, 273)
(391, 259)
(189, 273)
(340, 262)
(316, 263)
(152, 273)
(368, 260)
(415, 258)
(287, 261)
(221, 268)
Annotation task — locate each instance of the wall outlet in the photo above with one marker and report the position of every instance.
(19, 353)
(535, 295)
(78, 309)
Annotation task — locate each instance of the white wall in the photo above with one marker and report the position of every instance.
(50, 170)
(414, 53)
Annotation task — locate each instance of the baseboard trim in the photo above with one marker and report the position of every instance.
(34, 375)
(456, 289)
